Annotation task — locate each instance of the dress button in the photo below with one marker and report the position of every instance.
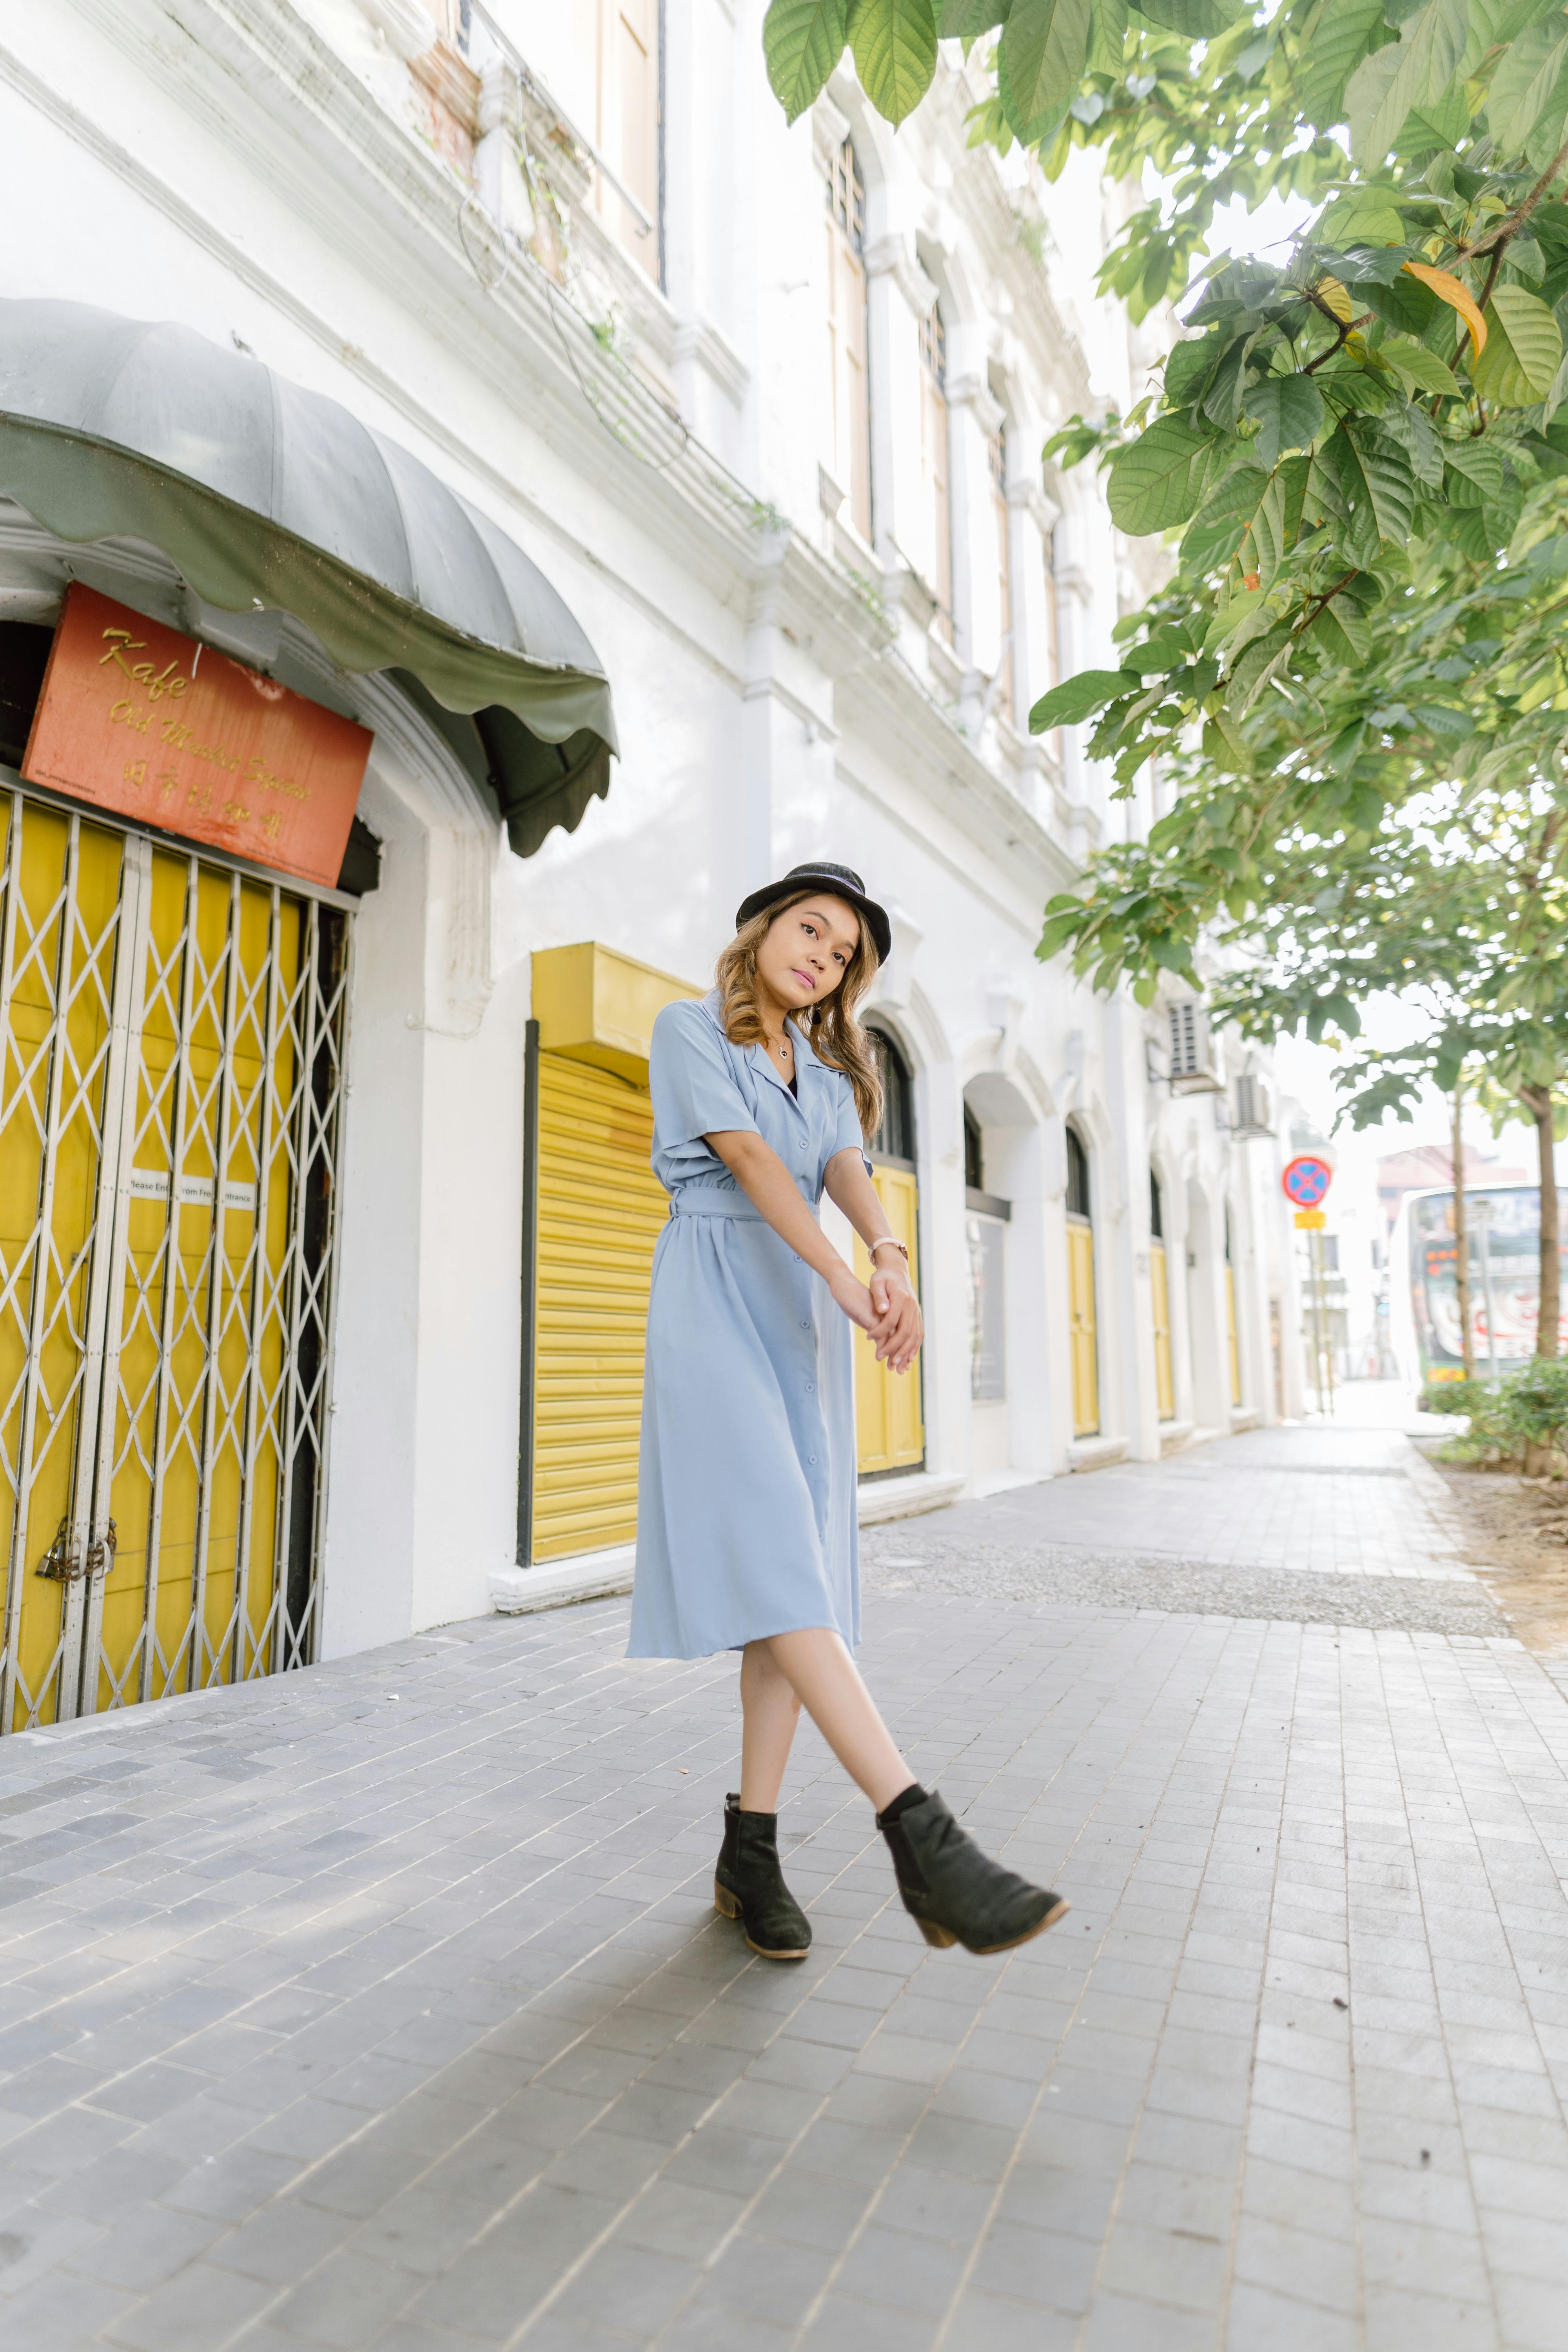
(811, 1458)
(811, 1388)
(806, 1323)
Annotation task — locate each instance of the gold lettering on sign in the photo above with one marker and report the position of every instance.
(170, 680)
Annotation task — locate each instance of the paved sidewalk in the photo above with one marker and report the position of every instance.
(385, 2005)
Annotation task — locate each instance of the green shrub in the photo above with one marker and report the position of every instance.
(1453, 1396)
(1524, 1417)
(1538, 1400)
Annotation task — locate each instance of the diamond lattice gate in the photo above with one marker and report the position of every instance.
(172, 1037)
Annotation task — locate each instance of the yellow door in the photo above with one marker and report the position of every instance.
(888, 1431)
(600, 1209)
(1085, 1356)
(1160, 1294)
(169, 1089)
(1230, 1333)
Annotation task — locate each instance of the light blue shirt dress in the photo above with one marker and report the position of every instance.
(746, 1520)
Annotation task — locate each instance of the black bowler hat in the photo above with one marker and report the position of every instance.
(842, 881)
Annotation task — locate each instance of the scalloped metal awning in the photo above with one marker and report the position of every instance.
(269, 496)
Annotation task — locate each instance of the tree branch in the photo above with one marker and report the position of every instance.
(1343, 329)
(1509, 228)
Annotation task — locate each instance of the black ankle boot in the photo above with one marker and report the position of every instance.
(956, 1894)
(748, 1886)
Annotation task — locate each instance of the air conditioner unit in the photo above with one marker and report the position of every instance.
(1195, 1061)
(1254, 1108)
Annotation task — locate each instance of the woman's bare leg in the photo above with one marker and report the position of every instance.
(770, 1712)
(826, 1682)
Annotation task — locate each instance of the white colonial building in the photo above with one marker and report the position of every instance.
(326, 1328)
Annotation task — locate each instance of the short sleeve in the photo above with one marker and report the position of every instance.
(848, 1135)
(693, 1085)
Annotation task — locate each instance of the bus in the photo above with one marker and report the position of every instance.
(1505, 1280)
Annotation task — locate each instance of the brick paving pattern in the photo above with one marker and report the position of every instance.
(385, 2005)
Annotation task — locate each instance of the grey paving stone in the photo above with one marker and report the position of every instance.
(198, 2311)
(412, 2042)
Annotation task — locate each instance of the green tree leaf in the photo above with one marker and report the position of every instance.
(1043, 48)
(1378, 486)
(1078, 698)
(1478, 468)
(1189, 367)
(1289, 413)
(894, 43)
(1107, 35)
(803, 40)
(964, 20)
(1410, 72)
(1418, 369)
(1523, 349)
(1524, 82)
(1195, 20)
(1337, 38)
(1156, 481)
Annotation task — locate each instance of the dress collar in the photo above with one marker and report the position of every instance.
(804, 1059)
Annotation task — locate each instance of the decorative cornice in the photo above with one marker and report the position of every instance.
(890, 257)
(943, 765)
(700, 340)
(407, 26)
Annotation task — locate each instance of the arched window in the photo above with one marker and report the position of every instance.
(895, 1137)
(934, 461)
(1078, 1177)
(1160, 1302)
(851, 457)
(1081, 1308)
(973, 1152)
(1002, 703)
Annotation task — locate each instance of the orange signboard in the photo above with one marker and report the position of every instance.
(138, 718)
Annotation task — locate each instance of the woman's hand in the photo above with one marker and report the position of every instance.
(898, 1328)
(850, 1294)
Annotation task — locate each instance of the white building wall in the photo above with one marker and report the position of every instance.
(778, 687)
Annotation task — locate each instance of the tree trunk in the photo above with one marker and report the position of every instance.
(1462, 1236)
(1537, 1100)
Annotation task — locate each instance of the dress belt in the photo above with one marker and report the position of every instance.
(710, 1201)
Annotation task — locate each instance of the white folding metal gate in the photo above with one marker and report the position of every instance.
(171, 1045)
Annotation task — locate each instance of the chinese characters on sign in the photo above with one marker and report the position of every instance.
(138, 718)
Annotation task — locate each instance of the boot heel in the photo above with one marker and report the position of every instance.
(941, 1938)
(727, 1905)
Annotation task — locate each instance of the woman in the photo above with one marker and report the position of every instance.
(762, 1094)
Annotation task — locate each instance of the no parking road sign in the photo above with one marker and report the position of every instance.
(1306, 1181)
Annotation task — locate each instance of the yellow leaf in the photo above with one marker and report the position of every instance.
(1458, 298)
(1332, 295)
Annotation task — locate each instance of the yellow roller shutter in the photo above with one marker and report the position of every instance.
(888, 1433)
(1234, 1348)
(600, 1211)
(1085, 1344)
(1160, 1294)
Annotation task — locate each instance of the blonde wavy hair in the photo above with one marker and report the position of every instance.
(837, 1037)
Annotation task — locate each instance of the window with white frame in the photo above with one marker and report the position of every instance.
(997, 450)
(1052, 647)
(617, 44)
(850, 412)
(934, 462)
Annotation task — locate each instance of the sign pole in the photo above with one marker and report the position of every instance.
(1305, 1181)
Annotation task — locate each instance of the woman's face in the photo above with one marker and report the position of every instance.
(806, 951)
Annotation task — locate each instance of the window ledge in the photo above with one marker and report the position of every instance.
(881, 1499)
(1096, 1453)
